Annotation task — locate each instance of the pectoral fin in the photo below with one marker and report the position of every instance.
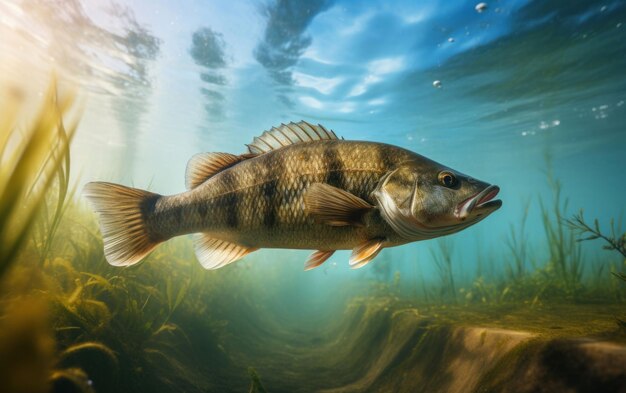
(214, 253)
(365, 252)
(317, 258)
(334, 206)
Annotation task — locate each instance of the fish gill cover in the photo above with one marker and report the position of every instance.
(530, 97)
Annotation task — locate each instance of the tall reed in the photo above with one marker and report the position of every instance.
(30, 159)
(564, 251)
(443, 261)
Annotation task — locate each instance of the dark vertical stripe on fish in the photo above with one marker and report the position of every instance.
(269, 193)
(305, 155)
(202, 210)
(283, 197)
(334, 171)
(388, 160)
(147, 208)
(279, 165)
(231, 199)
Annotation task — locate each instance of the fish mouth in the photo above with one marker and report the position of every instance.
(482, 203)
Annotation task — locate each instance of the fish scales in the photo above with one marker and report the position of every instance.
(261, 200)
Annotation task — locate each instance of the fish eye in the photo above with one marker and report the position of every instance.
(447, 179)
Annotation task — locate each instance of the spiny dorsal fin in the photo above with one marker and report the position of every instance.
(334, 206)
(365, 252)
(204, 165)
(288, 134)
(214, 253)
(317, 258)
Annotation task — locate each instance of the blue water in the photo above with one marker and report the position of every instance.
(522, 81)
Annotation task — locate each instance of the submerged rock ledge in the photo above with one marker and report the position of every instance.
(384, 346)
(444, 358)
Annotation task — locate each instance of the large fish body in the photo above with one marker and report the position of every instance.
(300, 187)
(260, 202)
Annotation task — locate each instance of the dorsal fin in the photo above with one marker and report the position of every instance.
(204, 165)
(288, 134)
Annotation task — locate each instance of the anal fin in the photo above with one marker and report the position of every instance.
(334, 206)
(365, 252)
(317, 258)
(214, 253)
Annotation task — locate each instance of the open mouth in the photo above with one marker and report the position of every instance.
(482, 201)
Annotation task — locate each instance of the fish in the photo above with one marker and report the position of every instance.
(298, 186)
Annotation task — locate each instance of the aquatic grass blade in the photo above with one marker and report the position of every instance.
(28, 171)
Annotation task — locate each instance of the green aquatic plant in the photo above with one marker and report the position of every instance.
(109, 325)
(128, 320)
(621, 322)
(559, 277)
(30, 159)
(443, 261)
(565, 258)
(255, 384)
(70, 380)
(614, 241)
(517, 243)
(52, 210)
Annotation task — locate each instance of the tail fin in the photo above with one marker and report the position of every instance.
(122, 221)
